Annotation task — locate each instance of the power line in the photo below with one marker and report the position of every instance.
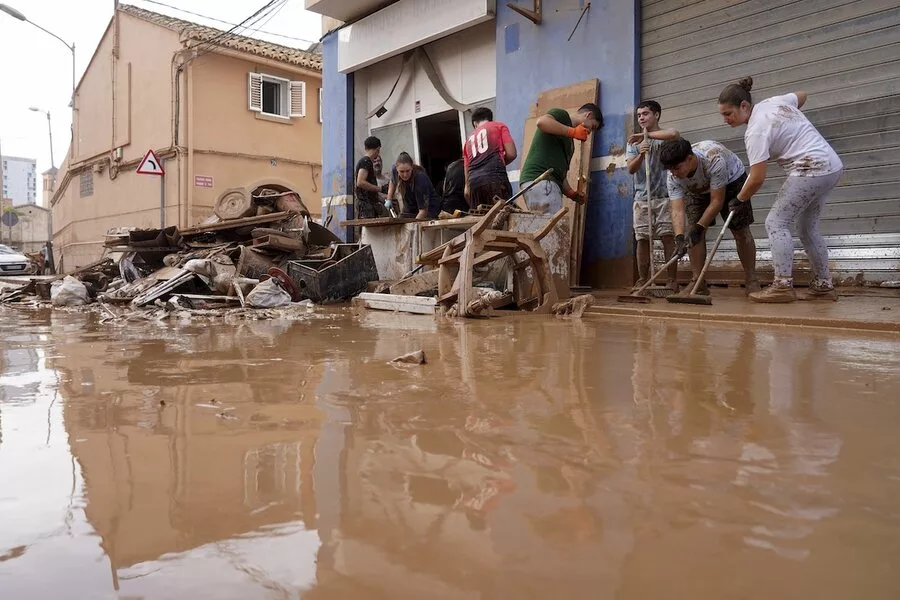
(272, 16)
(242, 25)
(281, 35)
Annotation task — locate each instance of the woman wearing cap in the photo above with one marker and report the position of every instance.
(777, 130)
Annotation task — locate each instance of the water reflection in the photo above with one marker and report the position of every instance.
(529, 458)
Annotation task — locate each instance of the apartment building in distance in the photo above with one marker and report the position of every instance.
(20, 180)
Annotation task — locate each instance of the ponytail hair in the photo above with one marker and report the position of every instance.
(735, 93)
(404, 186)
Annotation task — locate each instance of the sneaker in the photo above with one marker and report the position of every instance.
(775, 294)
(818, 291)
(752, 286)
(638, 284)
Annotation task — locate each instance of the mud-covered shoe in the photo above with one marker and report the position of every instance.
(777, 293)
(703, 290)
(818, 291)
(752, 286)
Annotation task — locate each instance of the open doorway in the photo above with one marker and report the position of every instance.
(440, 144)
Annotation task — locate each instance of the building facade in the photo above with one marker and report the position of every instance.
(20, 180)
(679, 53)
(32, 229)
(219, 111)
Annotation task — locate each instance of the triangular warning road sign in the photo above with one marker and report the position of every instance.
(150, 165)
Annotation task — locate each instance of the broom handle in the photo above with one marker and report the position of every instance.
(653, 277)
(711, 254)
(647, 191)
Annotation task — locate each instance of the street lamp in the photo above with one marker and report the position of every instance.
(17, 15)
(49, 130)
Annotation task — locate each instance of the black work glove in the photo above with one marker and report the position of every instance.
(735, 204)
(697, 233)
(681, 246)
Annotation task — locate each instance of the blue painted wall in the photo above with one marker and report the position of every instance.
(533, 58)
(337, 138)
(530, 59)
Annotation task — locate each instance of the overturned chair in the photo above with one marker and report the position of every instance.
(481, 245)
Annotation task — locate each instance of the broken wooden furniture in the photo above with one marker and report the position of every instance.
(479, 246)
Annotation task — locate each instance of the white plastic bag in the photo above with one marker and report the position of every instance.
(268, 294)
(68, 292)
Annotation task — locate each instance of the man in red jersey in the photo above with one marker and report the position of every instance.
(487, 152)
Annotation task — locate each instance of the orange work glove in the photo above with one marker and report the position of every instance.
(579, 132)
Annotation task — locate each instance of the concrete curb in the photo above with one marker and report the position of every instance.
(790, 321)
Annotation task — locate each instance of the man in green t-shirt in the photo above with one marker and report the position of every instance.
(552, 148)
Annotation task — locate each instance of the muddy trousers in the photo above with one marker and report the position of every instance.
(799, 203)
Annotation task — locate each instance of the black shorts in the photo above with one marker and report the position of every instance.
(696, 205)
(484, 192)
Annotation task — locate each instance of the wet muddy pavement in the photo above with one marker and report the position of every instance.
(530, 458)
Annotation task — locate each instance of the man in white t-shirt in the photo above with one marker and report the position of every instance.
(778, 130)
(702, 179)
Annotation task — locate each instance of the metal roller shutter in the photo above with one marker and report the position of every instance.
(844, 54)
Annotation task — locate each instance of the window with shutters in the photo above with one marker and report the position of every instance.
(276, 96)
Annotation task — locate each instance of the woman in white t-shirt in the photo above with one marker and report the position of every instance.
(777, 130)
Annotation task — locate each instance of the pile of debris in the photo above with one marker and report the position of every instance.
(260, 249)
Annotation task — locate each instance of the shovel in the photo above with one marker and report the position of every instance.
(693, 297)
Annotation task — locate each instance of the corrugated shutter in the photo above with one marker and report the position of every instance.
(844, 54)
(254, 92)
(298, 99)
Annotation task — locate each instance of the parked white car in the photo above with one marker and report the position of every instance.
(13, 262)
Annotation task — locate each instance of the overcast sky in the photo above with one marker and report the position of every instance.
(36, 69)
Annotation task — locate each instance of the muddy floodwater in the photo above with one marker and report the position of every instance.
(531, 457)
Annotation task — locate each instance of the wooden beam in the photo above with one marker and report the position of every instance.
(411, 304)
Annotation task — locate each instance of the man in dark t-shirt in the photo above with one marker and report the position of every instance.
(368, 195)
(453, 189)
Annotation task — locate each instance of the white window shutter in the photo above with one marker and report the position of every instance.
(298, 99)
(321, 110)
(254, 92)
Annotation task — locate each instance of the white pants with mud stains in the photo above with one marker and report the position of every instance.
(799, 204)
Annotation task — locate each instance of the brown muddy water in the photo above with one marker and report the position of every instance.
(530, 458)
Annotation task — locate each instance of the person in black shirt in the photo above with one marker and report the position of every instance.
(369, 204)
(454, 188)
(419, 198)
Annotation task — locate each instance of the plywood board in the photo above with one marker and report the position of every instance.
(569, 98)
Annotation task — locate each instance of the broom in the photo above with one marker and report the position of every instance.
(658, 291)
(636, 297)
(693, 297)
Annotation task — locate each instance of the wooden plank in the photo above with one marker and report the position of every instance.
(379, 222)
(411, 286)
(569, 98)
(410, 304)
(238, 223)
(277, 242)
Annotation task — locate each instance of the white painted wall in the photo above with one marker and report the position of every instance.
(466, 62)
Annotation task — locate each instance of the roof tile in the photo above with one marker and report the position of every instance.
(202, 33)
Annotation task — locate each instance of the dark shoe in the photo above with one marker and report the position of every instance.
(673, 285)
(775, 294)
(820, 292)
(638, 284)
